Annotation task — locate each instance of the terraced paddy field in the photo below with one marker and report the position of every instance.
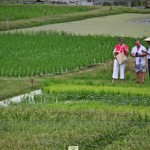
(48, 53)
(79, 109)
(79, 106)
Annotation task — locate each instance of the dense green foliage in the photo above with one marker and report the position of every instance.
(47, 53)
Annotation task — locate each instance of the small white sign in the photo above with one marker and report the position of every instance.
(73, 147)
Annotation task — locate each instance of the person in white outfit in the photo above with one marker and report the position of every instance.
(138, 52)
(120, 47)
(148, 54)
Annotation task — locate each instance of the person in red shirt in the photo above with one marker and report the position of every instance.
(120, 47)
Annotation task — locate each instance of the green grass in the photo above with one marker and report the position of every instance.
(89, 125)
(35, 15)
(10, 87)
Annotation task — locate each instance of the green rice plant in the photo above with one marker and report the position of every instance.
(85, 89)
(10, 12)
(79, 90)
(52, 53)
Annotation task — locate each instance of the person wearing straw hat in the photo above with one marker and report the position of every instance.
(139, 53)
(148, 53)
(119, 48)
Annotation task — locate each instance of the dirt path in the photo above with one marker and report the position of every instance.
(133, 25)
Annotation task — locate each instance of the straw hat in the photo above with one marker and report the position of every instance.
(147, 39)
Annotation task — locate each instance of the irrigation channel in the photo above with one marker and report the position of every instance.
(134, 25)
(17, 99)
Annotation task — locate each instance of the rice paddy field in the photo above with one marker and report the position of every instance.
(10, 12)
(36, 15)
(23, 55)
(79, 106)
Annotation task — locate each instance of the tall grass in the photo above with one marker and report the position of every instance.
(47, 53)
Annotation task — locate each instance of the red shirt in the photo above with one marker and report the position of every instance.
(119, 49)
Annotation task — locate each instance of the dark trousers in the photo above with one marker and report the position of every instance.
(149, 66)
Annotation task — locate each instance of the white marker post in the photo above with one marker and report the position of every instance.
(73, 147)
(7, 24)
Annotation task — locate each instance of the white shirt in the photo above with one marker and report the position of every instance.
(139, 60)
(148, 55)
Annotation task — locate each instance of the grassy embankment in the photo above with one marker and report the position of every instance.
(36, 15)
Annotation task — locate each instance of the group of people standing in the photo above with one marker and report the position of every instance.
(139, 53)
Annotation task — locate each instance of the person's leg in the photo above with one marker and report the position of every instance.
(143, 76)
(143, 70)
(122, 69)
(149, 66)
(138, 77)
(138, 72)
(115, 71)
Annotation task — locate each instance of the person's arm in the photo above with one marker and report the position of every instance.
(138, 55)
(132, 54)
(125, 48)
(144, 51)
(115, 52)
(142, 55)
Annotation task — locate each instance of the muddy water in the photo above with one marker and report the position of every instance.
(135, 25)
